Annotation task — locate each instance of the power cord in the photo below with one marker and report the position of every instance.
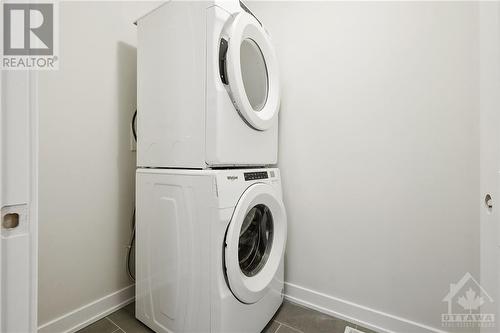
(129, 250)
(132, 234)
(134, 125)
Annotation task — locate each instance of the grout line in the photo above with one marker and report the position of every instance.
(277, 328)
(290, 327)
(115, 325)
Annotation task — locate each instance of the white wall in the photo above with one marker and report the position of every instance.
(379, 151)
(86, 166)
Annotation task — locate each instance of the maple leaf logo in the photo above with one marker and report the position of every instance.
(470, 301)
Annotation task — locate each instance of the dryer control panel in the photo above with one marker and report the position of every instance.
(256, 175)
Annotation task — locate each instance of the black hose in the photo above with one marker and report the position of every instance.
(134, 125)
(132, 235)
(129, 250)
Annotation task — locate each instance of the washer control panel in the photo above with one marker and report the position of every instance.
(256, 175)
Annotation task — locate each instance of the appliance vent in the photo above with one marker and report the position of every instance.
(352, 330)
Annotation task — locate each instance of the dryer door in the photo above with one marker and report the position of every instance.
(255, 242)
(249, 70)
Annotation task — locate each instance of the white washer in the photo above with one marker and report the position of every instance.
(210, 247)
(208, 87)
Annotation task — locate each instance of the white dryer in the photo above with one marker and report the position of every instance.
(210, 247)
(208, 91)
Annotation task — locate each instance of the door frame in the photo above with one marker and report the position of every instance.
(33, 200)
(26, 121)
(489, 131)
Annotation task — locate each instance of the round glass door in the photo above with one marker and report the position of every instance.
(256, 240)
(249, 70)
(255, 243)
(254, 74)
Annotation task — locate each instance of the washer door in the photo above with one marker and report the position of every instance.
(255, 242)
(249, 70)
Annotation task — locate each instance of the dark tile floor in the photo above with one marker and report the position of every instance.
(290, 318)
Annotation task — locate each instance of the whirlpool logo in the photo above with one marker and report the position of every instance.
(29, 36)
(232, 177)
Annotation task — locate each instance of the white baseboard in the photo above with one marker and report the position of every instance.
(92, 312)
(354, 313)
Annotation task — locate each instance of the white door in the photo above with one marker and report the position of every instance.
(255, 242)
(249, 70)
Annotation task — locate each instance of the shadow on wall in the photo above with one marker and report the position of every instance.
(126, 62)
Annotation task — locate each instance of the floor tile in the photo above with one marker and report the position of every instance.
(130, 308)
(290, 318)
(125, 319)
(307, 320)
(100, 326)
(272, 327)
(286, 329)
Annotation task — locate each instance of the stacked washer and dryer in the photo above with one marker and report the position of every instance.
(211, 225)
